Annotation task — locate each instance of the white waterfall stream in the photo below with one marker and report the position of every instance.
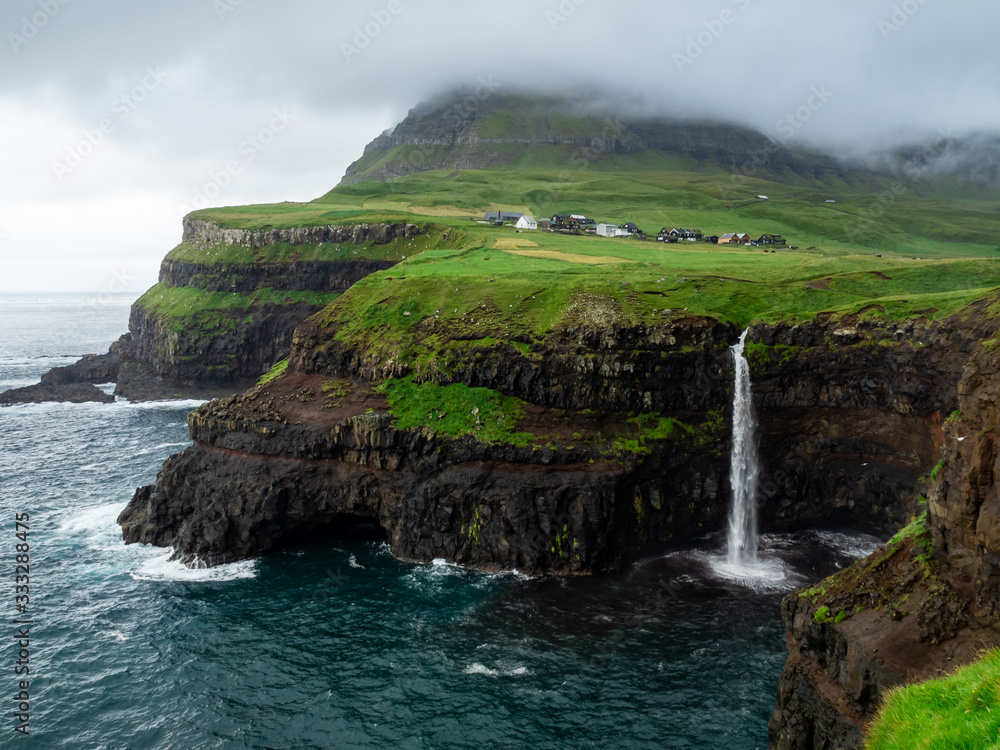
(744, 468)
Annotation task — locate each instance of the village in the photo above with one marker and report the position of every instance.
(577, 224)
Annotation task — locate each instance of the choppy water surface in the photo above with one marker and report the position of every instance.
(336, 643)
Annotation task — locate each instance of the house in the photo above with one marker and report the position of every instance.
(714, 239)
(502, 217)
(527, 222)
(630, 229)
(544, 223)
(607, 230)
(743, 239)
(770, 239)
(684, 234)
(560, 221)
(729, 239)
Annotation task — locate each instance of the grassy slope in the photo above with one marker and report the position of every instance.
(938, 255)
(954, 712)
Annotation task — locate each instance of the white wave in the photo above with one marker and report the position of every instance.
(477, 668)
(24, 383)
(849, 545)
(162, 446)
(770, 573)
(353, 562)
(49, 361)
(188, 404)
(163, 568)
(100, 518)
(764, 575)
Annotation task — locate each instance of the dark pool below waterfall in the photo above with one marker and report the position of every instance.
(335, 643)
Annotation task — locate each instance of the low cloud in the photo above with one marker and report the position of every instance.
(890, 72)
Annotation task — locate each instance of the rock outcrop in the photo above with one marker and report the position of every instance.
(919, 608)
(209, 347)
(856, 418)
(74, 393)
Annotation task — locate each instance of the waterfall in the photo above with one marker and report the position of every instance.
(743, 467)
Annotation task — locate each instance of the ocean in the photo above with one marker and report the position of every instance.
(336, 644)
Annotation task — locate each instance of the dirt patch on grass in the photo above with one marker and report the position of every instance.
(821, 284)
(587, 260)
(881, 276)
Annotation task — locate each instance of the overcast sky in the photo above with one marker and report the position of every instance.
(118, 116)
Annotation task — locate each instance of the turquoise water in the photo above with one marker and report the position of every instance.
(335, 643)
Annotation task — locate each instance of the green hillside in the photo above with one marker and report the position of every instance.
(936, 255)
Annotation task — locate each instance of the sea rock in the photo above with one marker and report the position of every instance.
(75, 393)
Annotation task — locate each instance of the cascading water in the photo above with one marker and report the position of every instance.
(743, 468)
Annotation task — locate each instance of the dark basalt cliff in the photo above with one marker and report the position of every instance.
(852, 414)
(921, 607)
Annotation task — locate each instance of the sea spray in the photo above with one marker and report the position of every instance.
(743, 467)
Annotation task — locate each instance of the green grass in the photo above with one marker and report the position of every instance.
(274, 373)
(455, 410)
(195, 311)
(959, 712)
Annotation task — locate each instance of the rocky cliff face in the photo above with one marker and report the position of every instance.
(199, 345)
(856, 419)
(254, 482)
(206, 233)
(921, 607)
(965, 503)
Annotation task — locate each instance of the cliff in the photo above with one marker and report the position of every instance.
(919, 608)
(225, 307)
(596, 475)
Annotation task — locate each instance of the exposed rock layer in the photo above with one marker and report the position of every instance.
(915, 622)
(228, 349)
(852, 419)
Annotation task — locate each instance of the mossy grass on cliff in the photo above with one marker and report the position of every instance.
(191, 311)
(884, 580)
(456, 410)
(222, 254)
(274, 373)
(958, 712)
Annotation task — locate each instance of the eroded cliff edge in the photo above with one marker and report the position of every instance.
(922, 606)
(852, 413)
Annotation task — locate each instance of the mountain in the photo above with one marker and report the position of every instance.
(517, 131)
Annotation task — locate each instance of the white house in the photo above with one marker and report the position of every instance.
(527, 222)
(608, 230)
